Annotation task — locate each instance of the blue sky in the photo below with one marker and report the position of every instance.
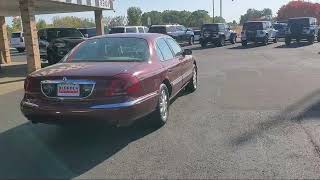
(231, 10)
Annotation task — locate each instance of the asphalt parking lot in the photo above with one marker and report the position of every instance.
(256, 114)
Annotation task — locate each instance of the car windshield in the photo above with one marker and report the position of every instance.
(303, 21)
(253, 26)
(15, 35)
(111, 49)
(62, 33)
(158, 29)
(213, 27)
(117, 30)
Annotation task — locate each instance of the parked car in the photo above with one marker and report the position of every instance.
(88, 32)
(58, 42)
(258, 31)
(281, 28)
(116, 78)
(128, 29)
(197, 35)
(178, 32)
(217, 33)
(17, 41)
(302, 28)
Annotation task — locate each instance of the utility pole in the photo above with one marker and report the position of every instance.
(213, 10)
(220, 8)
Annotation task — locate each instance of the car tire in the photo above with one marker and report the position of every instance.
(203, 44)
(298, 40)
(51, 59)
(265, 40)
(20, 50)
(233, 40)
(288, 41)
(221, 41)
(275, 40)
(318, 38)
(161, 114)
(244, 43)
(311, 40)
(191, 40)
(193, 84)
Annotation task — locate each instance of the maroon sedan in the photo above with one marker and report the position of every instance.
(117, 78)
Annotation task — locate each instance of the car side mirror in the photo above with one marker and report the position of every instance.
(86, 35)
(187, 52)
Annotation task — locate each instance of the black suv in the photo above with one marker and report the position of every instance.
(178, 32)
(302, 28)
(258, 31)
(57, 42)
(217, 34)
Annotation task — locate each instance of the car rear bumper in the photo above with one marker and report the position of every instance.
(253, 39)
(119, 114)
(300, 36)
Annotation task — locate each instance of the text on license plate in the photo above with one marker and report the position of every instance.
(69, 90)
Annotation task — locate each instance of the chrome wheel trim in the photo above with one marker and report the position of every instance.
(194, 78)
(163, 105)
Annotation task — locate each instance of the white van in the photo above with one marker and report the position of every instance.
(129, 29)
(17, 41)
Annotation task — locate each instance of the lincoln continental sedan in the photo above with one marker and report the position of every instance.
(115, 78)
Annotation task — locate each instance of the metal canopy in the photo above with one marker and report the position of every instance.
(11, 7)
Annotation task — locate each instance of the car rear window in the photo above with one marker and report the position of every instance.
(158, 29)
(116, 30)
(111, 49)
(15, 35)
(253, 26)
(197, 32)
(213, 27)
(303, 21)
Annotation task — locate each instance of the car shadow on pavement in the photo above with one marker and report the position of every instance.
(294, 45)
(42, 151)
(306, 108)
(249, 46)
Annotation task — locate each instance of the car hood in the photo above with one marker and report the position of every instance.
(94, 69)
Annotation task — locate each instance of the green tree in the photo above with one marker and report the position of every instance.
(16, 25)
(253, 14)
(219, 19)
(134, 16)
(155, 16)
(72, 22)
(199, 17)
(175, 17)
(115, 21)
(41, 24)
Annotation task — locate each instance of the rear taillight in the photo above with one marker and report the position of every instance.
(21, 39)
(30, 85)
(123, 85)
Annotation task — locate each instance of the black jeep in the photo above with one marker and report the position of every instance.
(55, 43)
(217, 34)
(302, 28)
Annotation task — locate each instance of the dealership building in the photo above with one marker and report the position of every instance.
(27, 9)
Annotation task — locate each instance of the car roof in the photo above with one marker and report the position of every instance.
(146, 36)
(303, 18)
(127, 26)
(166, 25)
(257, 21)
(213, 23)
(56, 28)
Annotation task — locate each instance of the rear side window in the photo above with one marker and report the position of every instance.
(117, 30)
(171, 29)
(15, 35)
(141, 30)
(165, 49)
(131, 30)
(158, 29)
(175, 47)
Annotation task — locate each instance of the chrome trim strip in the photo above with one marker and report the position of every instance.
(30, 104)
(80, 82)
(126, 104)
(179, 79)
